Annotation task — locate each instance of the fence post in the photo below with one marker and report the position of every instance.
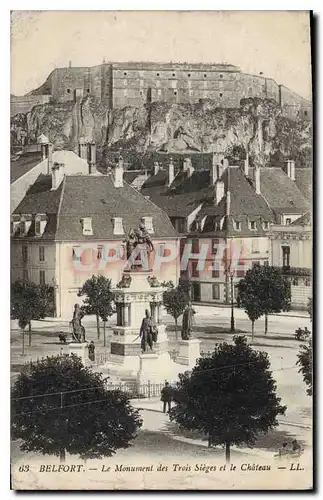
(148, 389)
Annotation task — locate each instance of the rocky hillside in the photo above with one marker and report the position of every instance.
(175, 128)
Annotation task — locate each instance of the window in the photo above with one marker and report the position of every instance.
(240, 273)
(24, 250)
(25, 274)
(195, 246)
(100, 252)
(161, 249)
(42, 277)
(221, 76)
(265, 225)
(307, 282)
(195, 271)
(215, 273)
(148, 222)
(76, 253)
(118, 225)
(237, 225)
(215, 244)
(204, 75)
(120, 252)
(175, 93)
(295, 282)
(88, 91)
(189, 74)
(286, 256)
(37, 226)
(140, 92)
(68, 91)
(41, 254)
(173, 74)
(252, 225)
(124, 74)
(22, 227)
(305, 113)
(255, 263)
(215, 292)
(221, 94)
(255, 245)
(157, 74)
(288, 221)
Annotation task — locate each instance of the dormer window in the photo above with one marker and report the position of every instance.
(237, 225)
(265, 225)
(15, 224)
(252, 225)
(40, 224)
(148, 221)
(87, 226)
(118, 225)
(22, 227)
(25, 223)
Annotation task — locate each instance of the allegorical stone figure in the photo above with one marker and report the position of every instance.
(187, 322)
(78, 330)
(138, 236)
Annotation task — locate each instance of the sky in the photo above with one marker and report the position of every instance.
(276, 43)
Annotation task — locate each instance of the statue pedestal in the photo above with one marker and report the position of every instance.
(80, 350)
(189, 352)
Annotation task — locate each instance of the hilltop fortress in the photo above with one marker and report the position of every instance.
(118, 85)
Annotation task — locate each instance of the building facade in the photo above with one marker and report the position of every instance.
(292, 251)
(69, 227)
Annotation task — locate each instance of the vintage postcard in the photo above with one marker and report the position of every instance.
(161, 250)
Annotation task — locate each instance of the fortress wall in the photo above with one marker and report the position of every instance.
(134, 84)
(24, 104)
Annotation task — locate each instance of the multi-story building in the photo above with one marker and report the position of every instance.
(224, 215)
(292, 251)
(135, 83)
(69, 227)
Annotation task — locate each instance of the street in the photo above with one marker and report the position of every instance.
(158, 435)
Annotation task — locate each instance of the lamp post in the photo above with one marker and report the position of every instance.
(230, 275)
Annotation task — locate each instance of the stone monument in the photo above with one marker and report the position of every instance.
(78, 346)
(189, 348)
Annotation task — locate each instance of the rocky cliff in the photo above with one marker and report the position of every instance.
(257, 125)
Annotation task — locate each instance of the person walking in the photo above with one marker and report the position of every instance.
(166, 397)
(91, 349)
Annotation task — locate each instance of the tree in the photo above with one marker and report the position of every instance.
(305, 360)
(249, 297)
(97, 289)
(29, 302)
(264, 290)
(175, 301)
(310, 307)
(275, 292)
(72, 411)
(230, 395)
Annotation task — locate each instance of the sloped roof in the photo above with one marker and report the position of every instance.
(305, 220)
(96, 197)
(304, 182)
(281, 193)
(23, 164)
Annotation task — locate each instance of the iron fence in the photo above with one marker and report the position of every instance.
(135, 390)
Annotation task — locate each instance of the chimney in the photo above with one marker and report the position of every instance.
(171, 174)
(188, 167)
(92, 158)
(43, 151)
(118, 173)
(228, 203)
(50, 157)
(82, 149)
(218, 192)
(58, 171)
(156, 167)
(246, 165)
(257, 180)
(219, 164)
(290, 169)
